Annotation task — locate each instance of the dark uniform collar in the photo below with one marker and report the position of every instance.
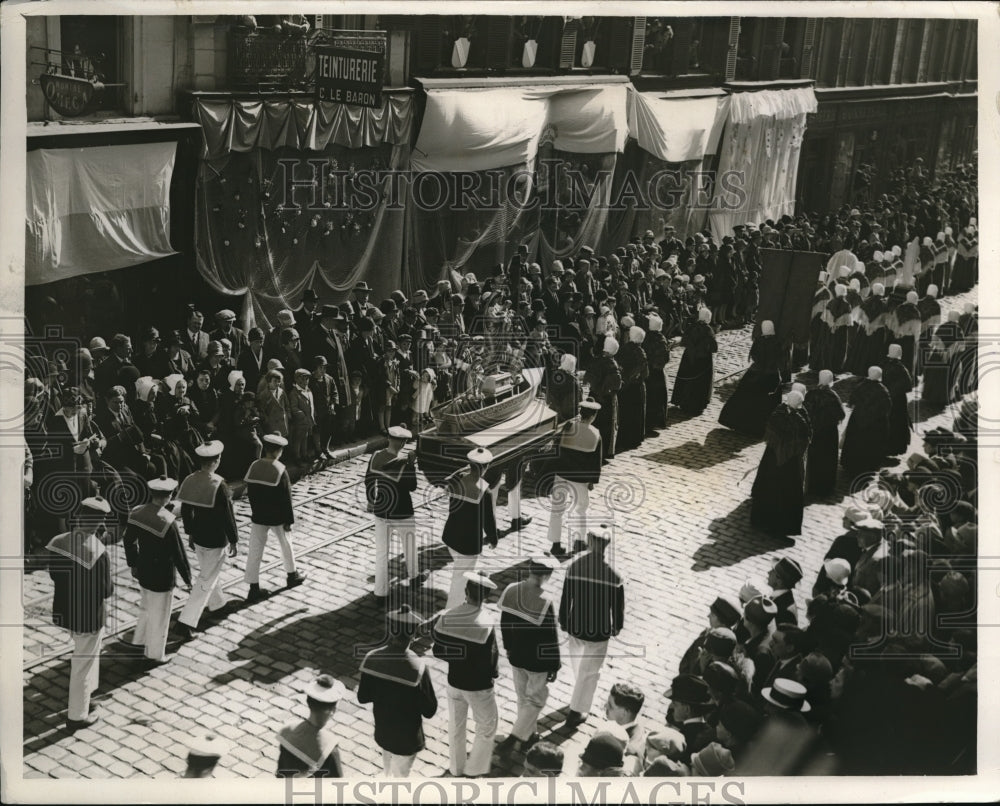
(199, 489)
(265, 471)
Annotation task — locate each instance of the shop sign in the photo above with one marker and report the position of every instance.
(350, 68)
(68, 95)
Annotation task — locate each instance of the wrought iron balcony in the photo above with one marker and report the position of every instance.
(268, 59)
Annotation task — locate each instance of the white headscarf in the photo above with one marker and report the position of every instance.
(794, 399)
(705, 315)
(627, 321)
(655, 323)
(611, 345)
(912, 296)
(568, 362)
(800, 388)
(234, 376)
(874, 373)
(932, 291)
(878, 289)
(767, 328)
(143, 386)
(172, 380)
(636, 334)
(840, 290)
(895, 351)
(825, 377)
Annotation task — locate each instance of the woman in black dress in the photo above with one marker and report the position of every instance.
(759, 390)
(826, 413)
(693, 387)
(777, 497)
(657, 355)
(632, 395)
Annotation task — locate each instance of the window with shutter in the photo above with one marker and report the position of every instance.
(808, 47)
(638, 44)
(567, 51)
(620, 53)
(429, 44)
(497, 33)
(731, 50)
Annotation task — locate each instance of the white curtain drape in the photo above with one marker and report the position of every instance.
(759, 158)
(676, 129)
(96, 209)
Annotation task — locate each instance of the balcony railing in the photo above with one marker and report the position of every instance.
(267, 59)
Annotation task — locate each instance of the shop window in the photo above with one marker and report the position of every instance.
(886, 46)
(912, 43)
(791, 47)
(543, 32)
(829, 57)
(593, 43)
(91, 48)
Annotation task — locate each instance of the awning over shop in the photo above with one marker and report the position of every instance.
(96, 209)
(241, 125)
(484, 127)
(676, 129)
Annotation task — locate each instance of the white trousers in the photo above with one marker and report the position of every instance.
(394, 766)
(154, 623)
(514, 502)
(406, 530)
(586, 659)
(532, 689)
(460, 564)
(205, 590)
(255, 551)
(484, 714)
(569, 496)
(84, 672)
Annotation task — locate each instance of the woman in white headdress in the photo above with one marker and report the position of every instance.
(632, 395)
(657, 350)
(605, 379)
(563, 390)
(693, 387)
(899, 382)
(759, 390)
(826, 413)
(777, 496)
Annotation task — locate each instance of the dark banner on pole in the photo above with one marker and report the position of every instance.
(787, 285)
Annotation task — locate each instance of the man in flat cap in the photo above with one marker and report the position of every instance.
(269, 490)
(390, 480)
(272, 341)
(155, 555)
(331, 343)
(465, 637)
(303, 430)
(604, 755)
(209, 521)
(204, 752)
(398, 684)
(543, 760)
(531, 638)
(306, 748)
(721, 613)
(591, 611)
(81, 577)
(225, 328)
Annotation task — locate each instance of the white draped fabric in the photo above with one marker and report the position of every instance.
(759, 157)
(676, 129)
(478, 129)
(96, 209)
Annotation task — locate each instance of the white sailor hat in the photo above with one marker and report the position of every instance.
(398, 432)
(162, 485)
(590, 405)
(96, 504)
(209, 449)
(602, 532)
(480, 578)
(326, 688)
(479, 456)
(274, 439)
(208, 745)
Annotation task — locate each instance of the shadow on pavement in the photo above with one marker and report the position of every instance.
(720, 445)
(733, 540)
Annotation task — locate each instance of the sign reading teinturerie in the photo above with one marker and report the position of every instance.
(67, 95)
(349, 73)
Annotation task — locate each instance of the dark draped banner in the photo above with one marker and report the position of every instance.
(787, 285)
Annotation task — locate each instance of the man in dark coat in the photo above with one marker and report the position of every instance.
(251, 361)
(531, 638)
(155, 554)
(826, 412)
(269, 490)
(306, 749)
(690, 702)
(591, 611)
(398, 684)
(331, 343)
(81, 575)
(210, 524)
(226, 329)
(866, 440)
(899, 382)
(778, 489)
(106, 373)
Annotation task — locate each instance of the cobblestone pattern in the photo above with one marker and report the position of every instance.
(681, 509)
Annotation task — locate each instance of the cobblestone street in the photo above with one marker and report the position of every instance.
(681, 508)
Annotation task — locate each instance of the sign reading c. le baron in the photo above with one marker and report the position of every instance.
(348, 76)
